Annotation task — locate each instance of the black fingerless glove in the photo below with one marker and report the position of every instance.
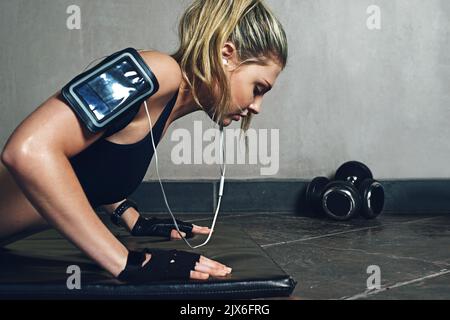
(159, 227)
(145, 227)
(163, 265)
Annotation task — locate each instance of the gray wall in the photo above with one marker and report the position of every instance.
(379, 96)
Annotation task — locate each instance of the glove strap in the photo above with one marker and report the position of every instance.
(134, 264)
(163, 265)
(117, 214)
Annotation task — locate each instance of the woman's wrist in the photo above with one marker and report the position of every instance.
(128, 218)
(120, 262)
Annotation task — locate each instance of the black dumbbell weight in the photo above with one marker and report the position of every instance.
(371, 191)
(337, 200)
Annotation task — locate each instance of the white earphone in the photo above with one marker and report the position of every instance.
(222, 171)
(222, 182)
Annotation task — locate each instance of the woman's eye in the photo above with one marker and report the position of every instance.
(256, 92)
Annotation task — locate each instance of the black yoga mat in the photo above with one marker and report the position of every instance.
(36, 268)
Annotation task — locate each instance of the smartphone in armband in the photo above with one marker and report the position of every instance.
(116, 86)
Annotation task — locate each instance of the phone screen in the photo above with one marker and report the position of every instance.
(117, 86)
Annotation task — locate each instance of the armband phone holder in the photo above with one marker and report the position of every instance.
(104, 94)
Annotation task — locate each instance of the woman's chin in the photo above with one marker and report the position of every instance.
(226, 122)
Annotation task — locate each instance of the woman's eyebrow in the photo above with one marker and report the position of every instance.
(268, 84)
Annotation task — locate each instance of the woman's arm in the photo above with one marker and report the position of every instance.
(37, 155)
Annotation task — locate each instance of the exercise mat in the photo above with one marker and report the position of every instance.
(39, 267)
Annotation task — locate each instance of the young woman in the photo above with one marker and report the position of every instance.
(231, 53)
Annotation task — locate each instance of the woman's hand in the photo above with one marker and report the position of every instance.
(174, 235)
(206, 267)
(144, 227)
(166, 228)
(161, 265)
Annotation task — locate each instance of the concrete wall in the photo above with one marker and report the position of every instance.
(379, 96)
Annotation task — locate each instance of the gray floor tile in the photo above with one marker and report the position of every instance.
(436, 288)
(327, 273)
(334, 266)
(412, 241)
(329, 259)
(272, 228)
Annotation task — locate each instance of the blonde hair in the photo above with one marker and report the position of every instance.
(203, 30)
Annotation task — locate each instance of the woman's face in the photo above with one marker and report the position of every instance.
(249, 83)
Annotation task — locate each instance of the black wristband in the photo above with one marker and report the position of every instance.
(117, 214)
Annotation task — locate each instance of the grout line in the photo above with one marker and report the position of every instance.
(396, 285)
(317, 237)
(413, 221)
(338, 233)
(388, 255)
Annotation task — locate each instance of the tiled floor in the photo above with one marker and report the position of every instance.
(330, 259)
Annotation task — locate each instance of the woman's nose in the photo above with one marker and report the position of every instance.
(255, 108)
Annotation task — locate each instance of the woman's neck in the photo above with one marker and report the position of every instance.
(185, 103)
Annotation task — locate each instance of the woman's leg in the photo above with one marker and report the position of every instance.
(18, 218)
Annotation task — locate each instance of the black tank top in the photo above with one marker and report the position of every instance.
(110, 172)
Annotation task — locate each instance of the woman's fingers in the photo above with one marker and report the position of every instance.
(200, 230)
(207, 267)
(215, 272)
(214, 264)
(174, 235)
(199, 275)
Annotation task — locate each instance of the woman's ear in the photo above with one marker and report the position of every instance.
(229, 51)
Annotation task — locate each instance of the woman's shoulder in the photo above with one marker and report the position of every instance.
(166, 70)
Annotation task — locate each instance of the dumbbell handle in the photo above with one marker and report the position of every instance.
(352, 179)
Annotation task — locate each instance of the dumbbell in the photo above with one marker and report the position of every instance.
(353, 191)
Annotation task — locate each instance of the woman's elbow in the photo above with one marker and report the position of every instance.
(7, 157)
(13, 151)
(14, 156)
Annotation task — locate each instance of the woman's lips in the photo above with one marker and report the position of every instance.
(238, 116)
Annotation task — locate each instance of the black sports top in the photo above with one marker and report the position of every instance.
(110, 172)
